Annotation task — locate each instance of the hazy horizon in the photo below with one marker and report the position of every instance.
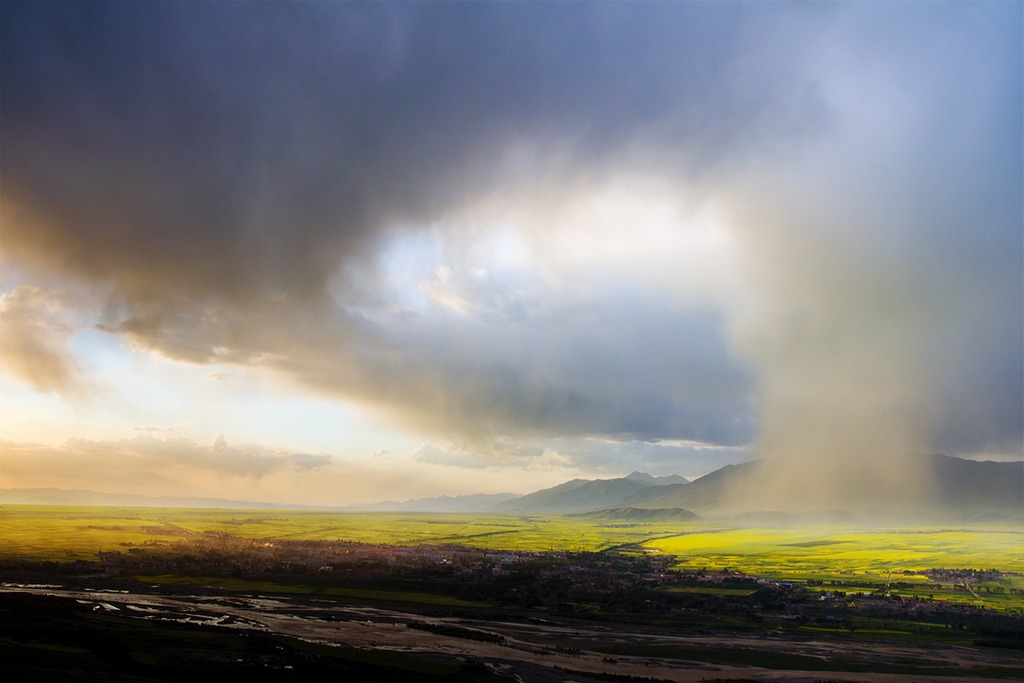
(339, 253)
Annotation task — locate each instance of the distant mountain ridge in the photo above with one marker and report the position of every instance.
(585, 495)
(979, 486)
(700, 495)
(659, 481)
(962, 489)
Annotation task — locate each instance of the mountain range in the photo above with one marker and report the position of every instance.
(585, 495)
(959, 490)
(963, 490)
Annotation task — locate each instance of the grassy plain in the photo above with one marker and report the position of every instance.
(867, 559)
(62, 533)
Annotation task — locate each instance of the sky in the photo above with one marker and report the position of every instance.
(331, 253)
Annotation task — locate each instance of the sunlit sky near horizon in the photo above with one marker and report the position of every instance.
(332, 253)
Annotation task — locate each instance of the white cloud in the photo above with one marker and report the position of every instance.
(36, 326)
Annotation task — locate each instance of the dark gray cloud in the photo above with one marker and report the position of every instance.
(256, 147)
(231, 171)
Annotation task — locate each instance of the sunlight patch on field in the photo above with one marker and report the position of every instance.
(782, 553)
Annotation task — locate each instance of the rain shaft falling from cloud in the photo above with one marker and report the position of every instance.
(885, 270)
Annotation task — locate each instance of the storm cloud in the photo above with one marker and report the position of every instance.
(260, 148)
(306, 187)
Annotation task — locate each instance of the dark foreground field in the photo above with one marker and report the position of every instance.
(154, 633)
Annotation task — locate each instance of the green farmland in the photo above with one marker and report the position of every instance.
(62, 533)
(839, 558)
